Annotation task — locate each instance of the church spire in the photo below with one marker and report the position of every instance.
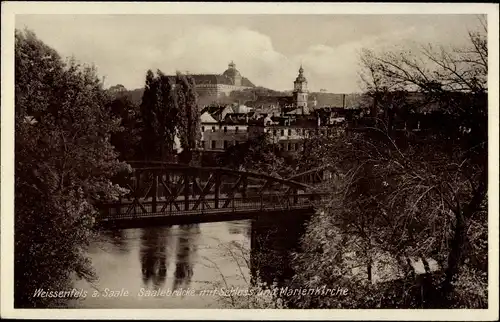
(300, 78)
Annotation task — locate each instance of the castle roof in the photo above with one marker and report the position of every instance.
(225, 79)
(214, 79)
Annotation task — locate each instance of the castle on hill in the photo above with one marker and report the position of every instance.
(215, 87)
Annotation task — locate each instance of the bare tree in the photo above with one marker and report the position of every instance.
(410, 193)
(456, 81)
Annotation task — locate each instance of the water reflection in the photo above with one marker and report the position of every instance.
(185, 255)
(238, 228)
(153, 255)
(200, 256)
(118, 240)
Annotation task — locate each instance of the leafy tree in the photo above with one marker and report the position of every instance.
(127, 141)
(169, 108)
(188, 128)
(64, 160)
(158, 118)
(117, 89)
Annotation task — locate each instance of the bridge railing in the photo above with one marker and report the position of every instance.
(263, 203)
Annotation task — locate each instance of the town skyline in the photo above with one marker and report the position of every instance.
(267, 49)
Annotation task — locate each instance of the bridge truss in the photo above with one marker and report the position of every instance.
(159, 189)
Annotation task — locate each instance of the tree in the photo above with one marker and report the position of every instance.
(64, 160)
(127, 140)
(159, 114)
(169, 108)
(257, 154)
(410, 194)
(189, 128)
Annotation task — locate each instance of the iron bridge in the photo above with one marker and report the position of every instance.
(161, 192)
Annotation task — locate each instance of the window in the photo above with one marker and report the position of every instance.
(289, 132)
(282, 146)
(202, 144)
(287, 147)
(225, 144)
(213, 144)
(274, 132)
(282, 132)
(225, 129)
(213, 128)
(236, 129)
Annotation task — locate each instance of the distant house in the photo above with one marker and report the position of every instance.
(223, 128)
(289, 131)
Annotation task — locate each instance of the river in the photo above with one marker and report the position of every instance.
(142, 267)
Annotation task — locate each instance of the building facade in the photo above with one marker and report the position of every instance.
(289, 133)
(223, 126)
(211, 88)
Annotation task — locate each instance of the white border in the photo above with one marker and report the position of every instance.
(9, 9)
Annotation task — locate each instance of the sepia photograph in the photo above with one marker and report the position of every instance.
(322, 160)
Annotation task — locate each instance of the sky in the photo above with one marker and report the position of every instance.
(268, 49)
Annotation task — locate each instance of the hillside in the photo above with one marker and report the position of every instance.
(242, 96)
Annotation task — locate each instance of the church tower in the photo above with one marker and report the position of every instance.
(300, 91)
